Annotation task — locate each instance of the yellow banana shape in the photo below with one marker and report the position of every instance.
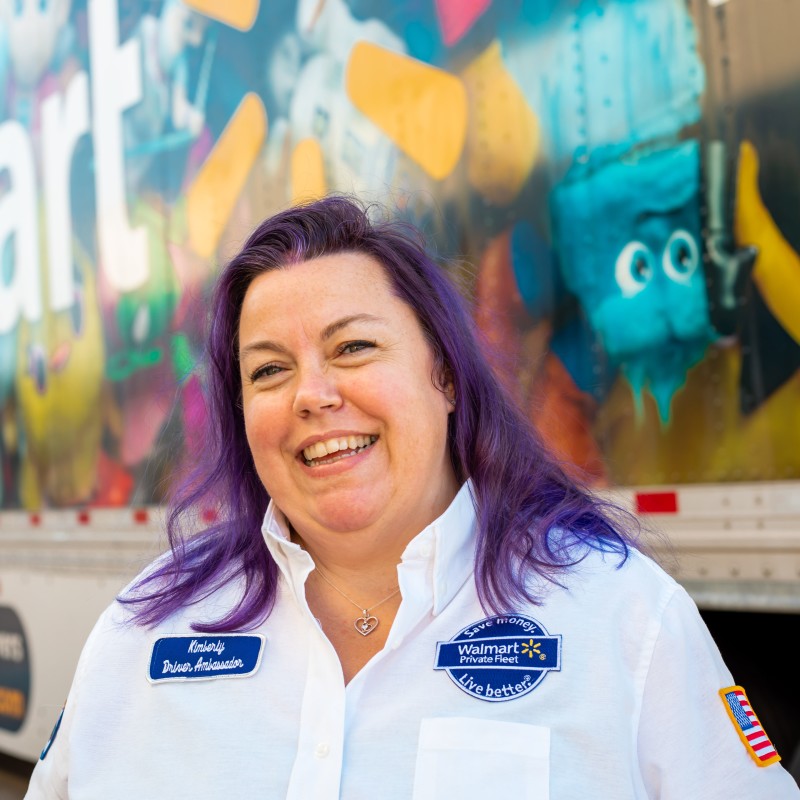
(777, 268)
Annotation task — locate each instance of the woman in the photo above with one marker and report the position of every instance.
(403, 596)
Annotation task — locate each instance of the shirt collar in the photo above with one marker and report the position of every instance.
(442, 554)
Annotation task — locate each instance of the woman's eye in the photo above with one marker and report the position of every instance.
(267, 371)
(354, 347)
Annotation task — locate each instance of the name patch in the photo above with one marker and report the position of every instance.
(499, 658)
(184, 658)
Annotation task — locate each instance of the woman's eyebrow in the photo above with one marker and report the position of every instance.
(263, 345)
(335, 327)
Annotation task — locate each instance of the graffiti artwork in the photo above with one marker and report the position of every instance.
(628, 235)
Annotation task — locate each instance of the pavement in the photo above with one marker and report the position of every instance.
(14, 777)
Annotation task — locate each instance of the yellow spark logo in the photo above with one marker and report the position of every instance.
(531, 647)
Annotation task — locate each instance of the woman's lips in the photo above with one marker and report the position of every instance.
(335, 448)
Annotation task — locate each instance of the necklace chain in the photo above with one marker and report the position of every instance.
(366, 623)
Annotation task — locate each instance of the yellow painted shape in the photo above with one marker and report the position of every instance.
(422, 109)
(708, 439)
(308, 171)
(239, 14)
(212, 196)
(61, 426)
(503, 138)
(777, 268)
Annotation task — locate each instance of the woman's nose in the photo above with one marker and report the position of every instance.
(316, 391)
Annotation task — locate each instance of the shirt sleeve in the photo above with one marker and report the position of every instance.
(689, 746)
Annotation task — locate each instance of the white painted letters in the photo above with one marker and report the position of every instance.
(64, 121)
(18, 217)
(116, 85)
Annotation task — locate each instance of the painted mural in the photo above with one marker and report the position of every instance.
(627, 230)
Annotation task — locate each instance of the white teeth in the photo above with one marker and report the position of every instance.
(351, 443)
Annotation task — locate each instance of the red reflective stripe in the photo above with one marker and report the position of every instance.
(656, 502)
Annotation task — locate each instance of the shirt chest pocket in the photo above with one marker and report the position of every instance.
(479, 758)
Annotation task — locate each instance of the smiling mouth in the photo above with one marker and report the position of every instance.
(336, 449)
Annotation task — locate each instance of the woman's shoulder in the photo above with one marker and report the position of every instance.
(120, 646)
(212, 603)
(628, 574)
(622, 602)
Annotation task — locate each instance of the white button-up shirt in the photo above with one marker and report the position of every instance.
(628, 706)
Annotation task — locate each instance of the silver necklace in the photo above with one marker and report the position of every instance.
(367, 622)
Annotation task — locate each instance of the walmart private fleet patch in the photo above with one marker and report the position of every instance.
(748, 727)
(499, 658)
(184, 658)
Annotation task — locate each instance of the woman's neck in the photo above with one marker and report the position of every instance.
(354, 597)
(353, 561)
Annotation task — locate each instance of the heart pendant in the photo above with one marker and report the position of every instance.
(366, 624)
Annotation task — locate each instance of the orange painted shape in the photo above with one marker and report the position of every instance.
(500, 311)
(503, 139)
(212, 196)
(239, 14)
(308, 171)
(422, 109)
(456, 17)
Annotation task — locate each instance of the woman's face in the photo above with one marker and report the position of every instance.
(344, 415)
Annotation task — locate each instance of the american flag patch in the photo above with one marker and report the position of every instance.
(748, 727)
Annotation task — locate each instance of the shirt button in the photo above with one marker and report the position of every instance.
(322, 750)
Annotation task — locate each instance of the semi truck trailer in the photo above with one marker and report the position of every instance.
(614, 185)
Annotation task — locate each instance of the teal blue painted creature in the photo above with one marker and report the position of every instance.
(628, 241)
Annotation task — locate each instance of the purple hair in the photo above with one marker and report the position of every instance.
(524, 500)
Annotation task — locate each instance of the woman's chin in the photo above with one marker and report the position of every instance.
(340, 512)
(349, 519)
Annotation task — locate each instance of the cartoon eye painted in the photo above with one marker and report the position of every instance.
(36, 367)
(634, 268)
(681, 256)
(77, 312)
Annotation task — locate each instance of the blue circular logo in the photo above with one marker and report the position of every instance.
(499, 658)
